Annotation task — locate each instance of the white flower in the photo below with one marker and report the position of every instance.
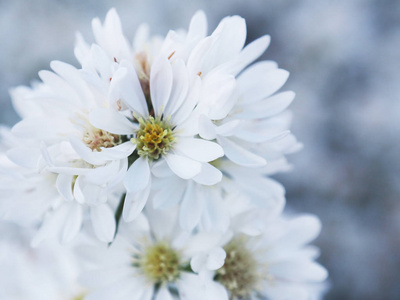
(47, 273)
(165, 130)
(90, 162)
(278, 264)
(151, 260)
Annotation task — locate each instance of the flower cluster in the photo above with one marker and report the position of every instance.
(156, 156)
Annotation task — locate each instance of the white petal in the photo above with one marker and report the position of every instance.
(125, 86)
(215, 290)
(72, 223)
(186, 110)
(196, 60)
(209, 175)
(101, 61)
(206, 128)
(119, 152)
(239, 155)
(249, 54)
(191, 287)
(103, 222)
(199, 149)
(138, 175)
(48, 128)
(216, 258)
(64, 186)
(85, 152)
(228, 128)
(160, 84)
(25, 157)
(163, 294)
(161, 169)
(198, 26)
(168, 196)
(298, 271)
(72, 76)
(135, 202)
(111, 121)
(303, 230)
(191, 209)
(217, 94)
(267, 107)
(59, 85)
(255, 86)
(198, 262)
(286, 290)
(183, 166)
(180, 87)
(231, 34)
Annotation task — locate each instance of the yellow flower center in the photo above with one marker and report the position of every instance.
(239, 273)
(96, 139)
(154, 138)
(161, 263)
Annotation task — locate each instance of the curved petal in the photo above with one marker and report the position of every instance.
(135, 202)
(239, 155)
(111, 121)
(64, 186)
(191, 209)
(209, 175)
(125, 86)
(85, 152)
(103, 222)
(138, 176)
(183, 166)
(198, 26)
(160, 84)
(199, 149)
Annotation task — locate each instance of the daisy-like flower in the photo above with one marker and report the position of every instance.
(162, 125)
(151, 260)
(25, 195)
(278, 264)
(89, 162)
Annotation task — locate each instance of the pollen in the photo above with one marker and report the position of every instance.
(239, 273)
(154, 138)
(160, 263)
(96, 139)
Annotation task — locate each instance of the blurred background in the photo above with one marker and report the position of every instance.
(344, 59)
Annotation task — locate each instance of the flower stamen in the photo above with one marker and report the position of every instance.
(239, 273)
(160, 263)
(96, 139)
(154, 138)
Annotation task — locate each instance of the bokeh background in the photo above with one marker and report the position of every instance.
(344, 59)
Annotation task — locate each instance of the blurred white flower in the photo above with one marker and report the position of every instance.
(46, 273)
(89, 162)
(278, 264)
(150, 259)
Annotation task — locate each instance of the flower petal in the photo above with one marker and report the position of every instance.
(103, 222)
(160, 84)
(191, 209)
(135, 202)
(239, 155)
(138, 176)
(183, 166)
(209, 175)
(111, 121)
(199, 149)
